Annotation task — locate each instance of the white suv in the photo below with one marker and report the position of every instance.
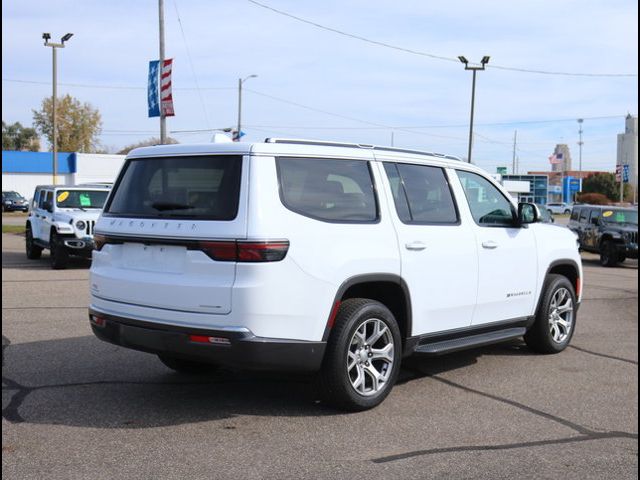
(316, 256)
(559, 208)
(62, 219)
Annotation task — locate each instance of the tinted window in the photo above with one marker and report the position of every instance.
(584, 215)
(421, 194)
(595, 214)
(46, 198)
(332, 190)
(487, 204)
(196, 188)
(575, 214)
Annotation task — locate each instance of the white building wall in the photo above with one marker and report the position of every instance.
(94, 167)
(26, 183)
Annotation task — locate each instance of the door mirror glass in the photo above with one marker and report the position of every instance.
(528, 213)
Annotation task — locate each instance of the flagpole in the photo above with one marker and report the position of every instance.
(163, 120)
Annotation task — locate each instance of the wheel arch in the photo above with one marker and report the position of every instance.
(389, 289)
(567, 268)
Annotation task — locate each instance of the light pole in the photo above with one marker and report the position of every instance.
(240, 82)
(474, 69)
(580, 143)
(54, 47)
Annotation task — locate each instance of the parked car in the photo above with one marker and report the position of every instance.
(316, 256)
(62, 219)
(545, 214)
(610, 231)
(559, 208)
(14, 202)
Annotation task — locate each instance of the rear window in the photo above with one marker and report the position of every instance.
(194, 188)
(328, 190)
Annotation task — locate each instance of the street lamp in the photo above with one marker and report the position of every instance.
(54, 46)
(580, 143)
(240, 82)
(474, 69)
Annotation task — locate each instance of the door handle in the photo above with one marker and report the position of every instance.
(415, 246)
(490, 244)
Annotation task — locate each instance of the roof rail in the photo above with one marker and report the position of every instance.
(298, 141)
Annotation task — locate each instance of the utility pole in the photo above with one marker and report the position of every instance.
(474, 69)
(240, 82)
(54, 96)
(513, 161)
(163, 119)
(580, 143)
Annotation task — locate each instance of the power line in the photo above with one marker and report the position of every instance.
(193, 70)
(115, 87)
(322, 127)
(431, 55)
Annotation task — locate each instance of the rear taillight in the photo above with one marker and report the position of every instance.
(97, 321)
(246, 251)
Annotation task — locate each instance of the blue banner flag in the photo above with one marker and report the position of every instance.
(152, 91)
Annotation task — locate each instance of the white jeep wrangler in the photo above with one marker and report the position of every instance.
(62, 219)
(316, 256)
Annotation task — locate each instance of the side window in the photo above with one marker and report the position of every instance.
(584, 215)
(421, 194)
(487, 204)
(36, 197)
(45, 196)
(328, 190)
(575, 214)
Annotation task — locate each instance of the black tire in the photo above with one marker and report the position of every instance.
(621, 257)
(608, 254)
(539, 337)
(335, 381)
(187, 366)
(33, 251)
(58, 252)
(567, 212)
(550, 213)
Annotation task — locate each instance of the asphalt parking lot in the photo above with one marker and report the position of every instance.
(75, 407)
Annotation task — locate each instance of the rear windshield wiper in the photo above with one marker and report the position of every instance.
(161, 206)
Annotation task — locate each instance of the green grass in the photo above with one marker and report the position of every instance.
(18, 229)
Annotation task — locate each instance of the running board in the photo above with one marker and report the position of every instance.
(471, 341)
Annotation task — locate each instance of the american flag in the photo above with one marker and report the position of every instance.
(152, 90)
(555, 158)
(166, 97)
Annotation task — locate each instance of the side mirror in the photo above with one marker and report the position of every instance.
(48, 207)
(528, 213)
(595, 221)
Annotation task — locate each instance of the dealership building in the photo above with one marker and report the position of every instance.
(23, 171)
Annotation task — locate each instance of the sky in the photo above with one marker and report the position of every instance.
(319, 84)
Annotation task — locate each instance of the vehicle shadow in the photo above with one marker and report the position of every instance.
(18, 259)
(84, 382)
(595, 261)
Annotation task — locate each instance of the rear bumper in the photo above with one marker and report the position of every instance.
(244, 349)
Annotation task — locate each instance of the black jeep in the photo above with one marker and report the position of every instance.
(610, 231)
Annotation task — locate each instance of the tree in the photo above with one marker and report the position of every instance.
(146, 143)
(79, 124)
(606, 184)
(17, 137)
